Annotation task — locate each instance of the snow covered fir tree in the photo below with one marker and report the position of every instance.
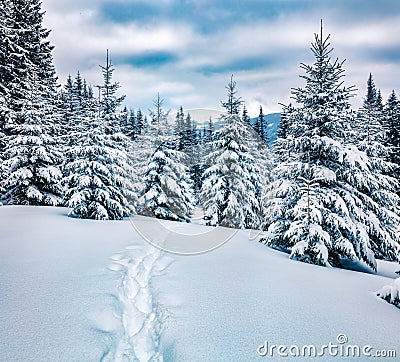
(166, 192)
(29, 121)
(229, 191)
(332, 197)
(98, 175)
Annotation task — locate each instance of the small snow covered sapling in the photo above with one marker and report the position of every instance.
(391, 293)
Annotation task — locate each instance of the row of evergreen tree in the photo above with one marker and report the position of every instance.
(326, 191)
(215, 169)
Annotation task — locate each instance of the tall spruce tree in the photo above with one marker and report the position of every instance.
(78, 88)
(68, 100)
(5, 19)
(29, 89)
(143, 148)
(188, 139)
(5, 47)
(379, 101)
(229, 189)
(209, 131)
(344, 219)
(165, 192)
(124, 122)
(150, 138)
(195, 156)
(25, 53)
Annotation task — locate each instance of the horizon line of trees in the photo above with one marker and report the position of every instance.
(327, 190)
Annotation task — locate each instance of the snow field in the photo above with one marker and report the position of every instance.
(83, 290)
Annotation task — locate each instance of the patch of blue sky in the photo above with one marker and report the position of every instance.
(205, 16)
(147, 59)
(242, 64)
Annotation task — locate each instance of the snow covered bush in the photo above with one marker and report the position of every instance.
(391, 293)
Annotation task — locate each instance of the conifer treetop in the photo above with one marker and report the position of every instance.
(371, 96)
(159, 117)
(110, 102)
(324, 77)
(233, 104)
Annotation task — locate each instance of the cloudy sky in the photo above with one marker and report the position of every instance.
(187, 50)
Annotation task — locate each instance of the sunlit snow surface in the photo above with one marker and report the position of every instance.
(74, 290)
